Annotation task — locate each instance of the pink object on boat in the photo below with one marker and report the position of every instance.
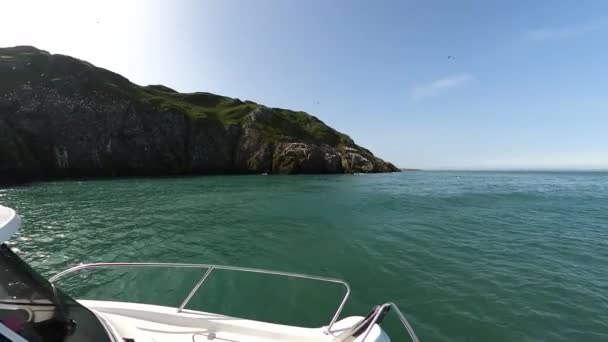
(13, 323)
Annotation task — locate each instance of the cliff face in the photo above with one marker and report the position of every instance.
(62, 117)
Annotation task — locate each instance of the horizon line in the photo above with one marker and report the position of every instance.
(509, 169)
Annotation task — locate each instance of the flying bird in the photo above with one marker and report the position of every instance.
(451, 57)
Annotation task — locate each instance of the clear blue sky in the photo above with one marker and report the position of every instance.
(528, 87)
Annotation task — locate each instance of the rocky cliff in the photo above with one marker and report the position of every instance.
(63, 117)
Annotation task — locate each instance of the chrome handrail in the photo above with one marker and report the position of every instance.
(209, 269)
(402, 318)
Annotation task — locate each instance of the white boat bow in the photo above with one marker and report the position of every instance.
(39, 307)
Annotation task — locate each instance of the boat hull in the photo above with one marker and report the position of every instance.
(147, 323)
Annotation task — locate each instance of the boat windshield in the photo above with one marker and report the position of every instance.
(34, 309)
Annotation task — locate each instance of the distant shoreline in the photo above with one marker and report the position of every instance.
(508, 170)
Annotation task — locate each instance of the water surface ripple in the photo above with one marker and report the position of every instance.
(469, 256)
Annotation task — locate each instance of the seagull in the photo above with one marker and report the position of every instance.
(451, 57)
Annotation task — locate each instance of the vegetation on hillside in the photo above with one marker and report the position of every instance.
(30, 67)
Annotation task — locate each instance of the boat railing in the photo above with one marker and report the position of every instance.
(399, 314)
(208, 270)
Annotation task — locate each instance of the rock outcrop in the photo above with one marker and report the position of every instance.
(63, 117)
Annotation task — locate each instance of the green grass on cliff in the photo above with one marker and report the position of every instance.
(282, 123)
(28, 66)
(197, 105)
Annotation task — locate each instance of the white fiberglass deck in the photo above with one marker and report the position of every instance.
(9, 223)
(152, 323)
(159, 323)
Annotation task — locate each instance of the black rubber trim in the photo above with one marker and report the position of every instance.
(369, 318)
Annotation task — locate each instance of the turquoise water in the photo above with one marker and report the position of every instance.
(468, 256)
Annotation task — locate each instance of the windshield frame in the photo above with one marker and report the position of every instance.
(60, 318)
